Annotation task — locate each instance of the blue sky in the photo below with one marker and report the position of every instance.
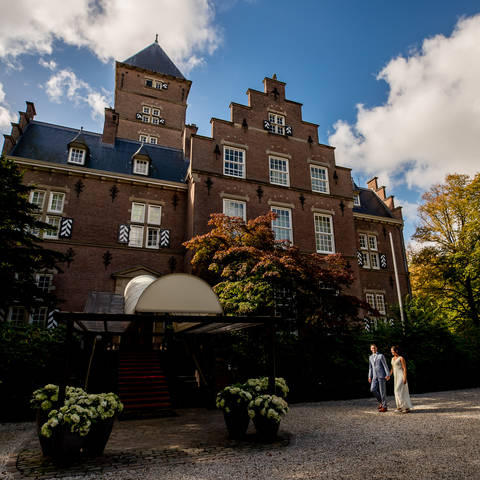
(414, 66)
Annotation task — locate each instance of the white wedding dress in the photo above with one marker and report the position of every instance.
(402, 396)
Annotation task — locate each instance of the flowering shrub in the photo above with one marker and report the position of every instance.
(233, 397)
(80, 410)
(259, 386)
(269, 406)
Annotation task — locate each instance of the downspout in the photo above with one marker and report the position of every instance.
(397, 283)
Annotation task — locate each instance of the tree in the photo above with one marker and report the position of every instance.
(250, 271)
(21, 252)
(446, 267)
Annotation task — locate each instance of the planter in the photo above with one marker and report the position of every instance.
(237, 423)
(66, 445)
(47, 444)
(97, 438)
(267, 429)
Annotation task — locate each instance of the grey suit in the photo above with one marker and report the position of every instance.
(377, 371)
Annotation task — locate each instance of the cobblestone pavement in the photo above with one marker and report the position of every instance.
(440, 439)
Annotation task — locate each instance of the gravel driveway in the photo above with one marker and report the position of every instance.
(439, 439)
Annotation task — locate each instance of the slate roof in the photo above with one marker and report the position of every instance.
(47, 142)
(155, 59)
(370, 204)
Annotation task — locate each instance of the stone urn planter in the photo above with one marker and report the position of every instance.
(237, 421)
(97, 438)
(266, 428)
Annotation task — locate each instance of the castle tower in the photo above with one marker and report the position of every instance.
(150, 100)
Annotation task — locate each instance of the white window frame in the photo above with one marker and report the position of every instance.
(369, 249)
(149, 80)
(231, 170)
(143, 138)
(146, 110)
(155, 245)
(40, 193)
(140, 218)
(39, 276)
(156, 112)
(380, 303)
(230, 204)
(38, 316)
(47, 232)
(281, 176)
(372, 243)
(19, 310)
(136, 240)
(362, 239)
(140, 166)
(155, 121)
(322, 236)
(277, 123)
(77, 155)
(153, 140)
(317, 182)
(281, 228)
(57, 209)
(366, 259)
(151, 220)
(356, 200)
(374, 260)
(145, 118)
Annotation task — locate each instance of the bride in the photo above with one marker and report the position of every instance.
(399, 369)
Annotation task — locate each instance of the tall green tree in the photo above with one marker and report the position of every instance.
(21, 252)
(446, 267)
(252, 273)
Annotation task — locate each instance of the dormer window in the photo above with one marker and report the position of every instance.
(140, 166)
(76, 156)
(356, 199)
(277, 123)
(148, 82)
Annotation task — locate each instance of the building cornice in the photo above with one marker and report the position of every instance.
(99, 174)
(374, 218)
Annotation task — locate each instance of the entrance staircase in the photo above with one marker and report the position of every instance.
(142, 385)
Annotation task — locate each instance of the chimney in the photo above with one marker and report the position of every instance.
(30, 112)
(381, 193)
(390, 203)
(8, 144)
(110, 126)
(188, 131)
(372, 184)
(274, 88)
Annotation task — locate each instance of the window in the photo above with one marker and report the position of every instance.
(155, 120)
(52, 232)
(145, 118)
(154, 214)
(153, 237)
(282, 225)
(43, 281)
(56, 202)
(148, 82)
(140, 166)
(38, 316)
(319, 177)
(16, 315)
(145, 215)
(235, 208)
(156, 112)
(77, 156)
(148, 139)
(136, 236)
(324, 241)
(234, 162)
(356, 199)
(37, 197)
(277, 123)
(138, 212)
(376, 301)
(369, 246)
(146, 110)
(279, 171)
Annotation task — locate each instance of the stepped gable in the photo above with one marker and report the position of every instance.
(154, 58)
(49, 143)
(371, 204)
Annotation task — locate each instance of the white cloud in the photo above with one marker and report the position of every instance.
(6, 116)
(110, 28)
(51, 65)
(66, 85)
(430, 125)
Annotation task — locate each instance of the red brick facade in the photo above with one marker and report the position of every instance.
(278, 168)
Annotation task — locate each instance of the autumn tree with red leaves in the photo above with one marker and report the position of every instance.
(248, 269)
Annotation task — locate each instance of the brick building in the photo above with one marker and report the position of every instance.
(121, 202)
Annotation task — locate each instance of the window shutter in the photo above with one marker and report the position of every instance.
(383, 260)
(267, 125)
(51, 322)
(123, 233)
(288, 130)
(66, 227)
(360, 258)
(164, 238)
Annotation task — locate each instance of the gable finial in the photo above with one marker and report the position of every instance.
(156, 38)
(274, 76)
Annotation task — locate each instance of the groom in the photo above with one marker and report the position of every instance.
(378, 374)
